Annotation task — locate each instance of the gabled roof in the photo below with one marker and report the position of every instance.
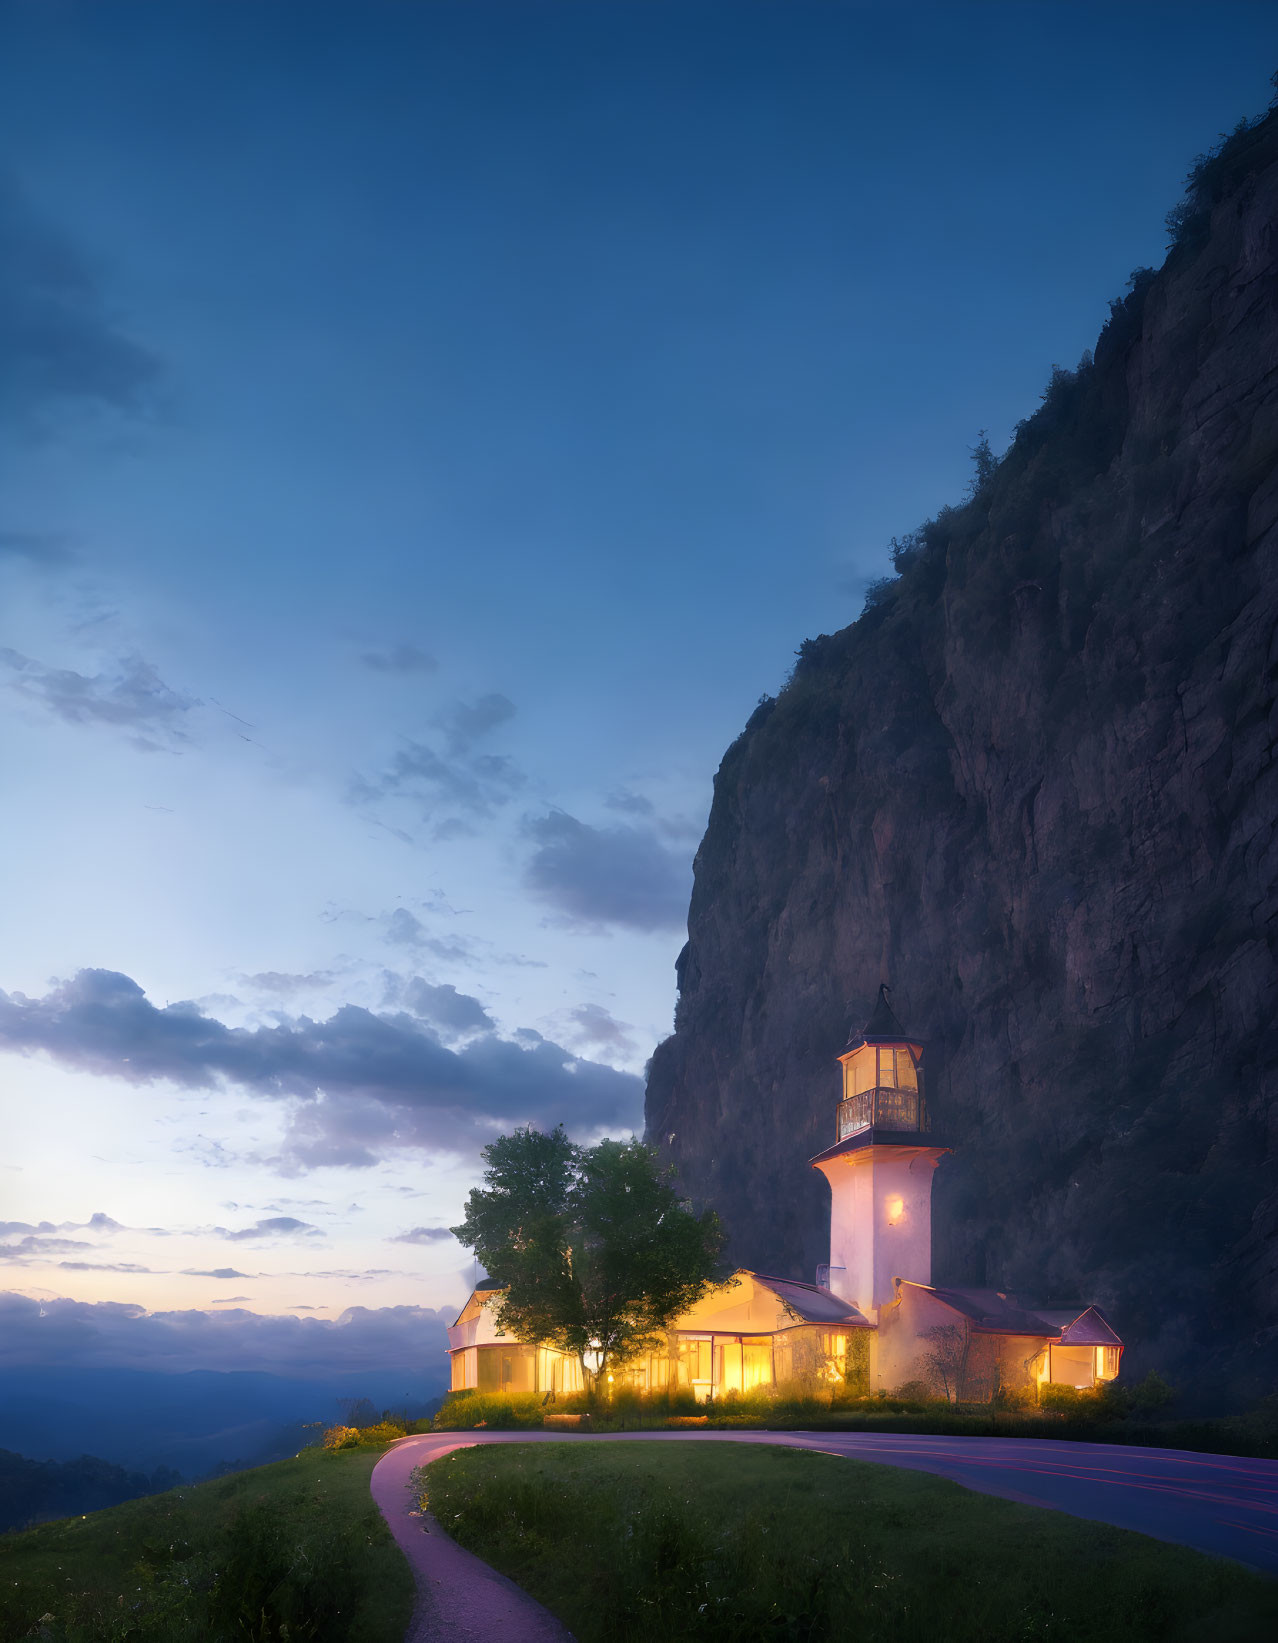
(475, 1299)
(1089, 1327)
(995, 1312)
(812, 1303)
(989, 1311)
(809, 1302)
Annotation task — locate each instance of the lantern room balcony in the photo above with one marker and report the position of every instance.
(885, 1109)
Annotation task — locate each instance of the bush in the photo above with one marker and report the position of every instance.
(502, 1410)
(1110, 1401)
(383, 1432)
(341, 1437)
(1014, 1398)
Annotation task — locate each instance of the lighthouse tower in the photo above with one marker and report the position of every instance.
(880, 1168)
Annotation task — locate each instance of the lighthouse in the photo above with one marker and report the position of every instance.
(880, 1167)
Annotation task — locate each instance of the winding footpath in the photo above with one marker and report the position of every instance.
(1219, 1504)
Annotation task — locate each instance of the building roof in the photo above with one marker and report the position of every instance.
(995, 1312)
(875, 1137)
(989, 1311)
(1090, 1327)
(812, 1303)
(882, 1027)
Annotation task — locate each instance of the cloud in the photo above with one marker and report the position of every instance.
(283, 985)
(476, 786)
(62, 347)
(421, 1235)
(445, 1008)
(459, 784)
(597, 876)
(96, 1223)
(402, 659)
(466, 723)
(108, 1335)
(630, 804)
(217, 1272)
(39, 1249)
(405, 929)
(45, 548)
(599, 1027)
(275, 1226)
(103, 1266)
(357, 1086)
(234, 1300)
(132, 697)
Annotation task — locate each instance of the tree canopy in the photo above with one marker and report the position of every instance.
(594, 1250)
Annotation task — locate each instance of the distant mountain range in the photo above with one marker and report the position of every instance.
(193, 1422)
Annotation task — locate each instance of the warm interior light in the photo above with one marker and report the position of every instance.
(895, 1210)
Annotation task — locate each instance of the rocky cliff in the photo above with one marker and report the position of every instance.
(1034, 788)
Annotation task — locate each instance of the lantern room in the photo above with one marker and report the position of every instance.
(882, 1078)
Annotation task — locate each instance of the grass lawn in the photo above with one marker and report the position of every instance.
(292, 1551)
(655, 1542)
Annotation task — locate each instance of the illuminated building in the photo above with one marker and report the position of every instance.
(873, 1318)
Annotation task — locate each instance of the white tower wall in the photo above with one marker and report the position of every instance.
(880, 1221)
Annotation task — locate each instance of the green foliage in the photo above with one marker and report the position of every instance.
(32, 1491)
(985, 465)
(384, 1432)
(500, 1410)
(593, 1249)
(906, 550)
(1111, 1401)
(731, 1544)
(1133, 1416)
(879, 593)
(295, 1551)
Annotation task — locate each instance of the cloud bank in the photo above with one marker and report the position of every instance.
(608, 875)
(356, 1086)
(111, 1335)
(60, 343)
(133, 697)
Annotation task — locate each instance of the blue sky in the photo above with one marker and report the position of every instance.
(428, 430)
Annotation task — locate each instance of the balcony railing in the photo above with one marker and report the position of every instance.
(882, 1109)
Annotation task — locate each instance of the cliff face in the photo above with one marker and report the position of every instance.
(1034, 788)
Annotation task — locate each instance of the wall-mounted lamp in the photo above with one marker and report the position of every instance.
(895, 1210)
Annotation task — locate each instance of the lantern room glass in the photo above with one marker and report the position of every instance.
(883, 1086)
(880, 1067)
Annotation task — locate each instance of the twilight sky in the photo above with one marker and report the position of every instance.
(425, 431)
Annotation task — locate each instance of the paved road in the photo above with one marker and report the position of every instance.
(1218, 1504)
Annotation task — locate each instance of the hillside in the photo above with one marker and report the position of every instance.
(292, 1550)
(1033, 787)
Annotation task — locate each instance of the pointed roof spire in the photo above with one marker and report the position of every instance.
(882, 1022)
(882, 1027)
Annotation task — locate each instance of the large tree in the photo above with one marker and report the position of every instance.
(593, 1248)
